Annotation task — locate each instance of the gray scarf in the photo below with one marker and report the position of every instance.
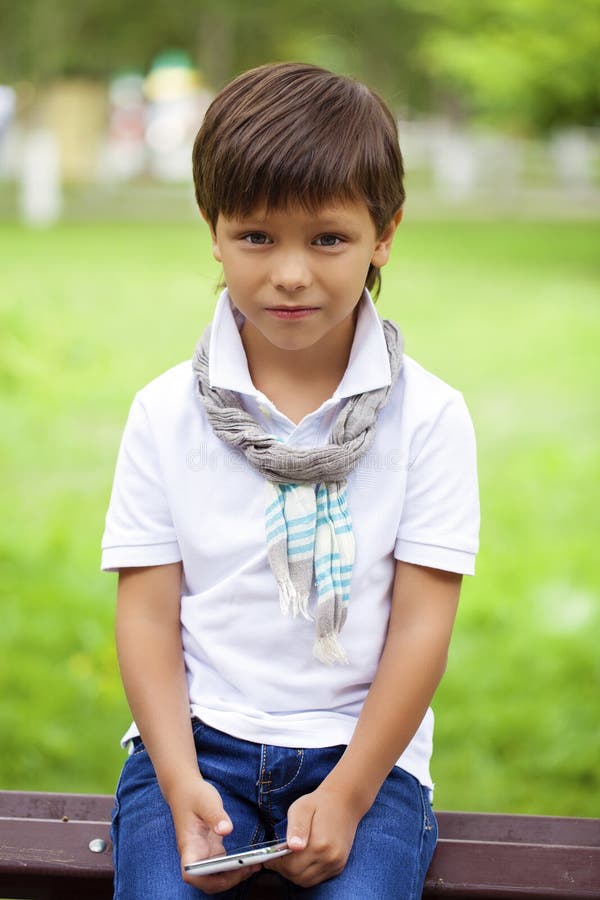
(296, 479)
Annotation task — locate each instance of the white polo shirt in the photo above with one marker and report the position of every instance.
(180, 493)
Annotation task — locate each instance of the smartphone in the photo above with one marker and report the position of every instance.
(244, 856)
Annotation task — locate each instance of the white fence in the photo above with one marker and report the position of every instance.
(448, 167)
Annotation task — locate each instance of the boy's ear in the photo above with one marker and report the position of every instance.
(215, 246)
(381, 254)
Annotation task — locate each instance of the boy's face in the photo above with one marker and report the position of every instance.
(297, 275)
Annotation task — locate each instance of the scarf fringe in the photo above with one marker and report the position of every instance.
(291, 602)
(287, 592)
(303, 605)
(328, 650)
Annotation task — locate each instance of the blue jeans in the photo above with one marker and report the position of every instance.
(392, 848)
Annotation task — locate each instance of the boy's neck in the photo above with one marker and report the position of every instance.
(298, 381)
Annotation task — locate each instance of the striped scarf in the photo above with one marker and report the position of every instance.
(308, 526)
(309, 532)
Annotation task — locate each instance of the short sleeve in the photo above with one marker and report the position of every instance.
(439, 524)
(138, 530)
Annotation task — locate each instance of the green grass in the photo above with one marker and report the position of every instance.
(507, 312)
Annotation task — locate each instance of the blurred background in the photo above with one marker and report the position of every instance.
(106, 279)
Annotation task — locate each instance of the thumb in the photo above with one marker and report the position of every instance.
(214, 815)
(300, 816)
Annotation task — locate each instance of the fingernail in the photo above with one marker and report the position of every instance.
(222, 826)
(296, 842)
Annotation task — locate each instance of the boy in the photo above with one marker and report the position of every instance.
(302, 458)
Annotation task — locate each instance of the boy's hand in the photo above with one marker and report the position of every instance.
(200, 825)
(321, 829)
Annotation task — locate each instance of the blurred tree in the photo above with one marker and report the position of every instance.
(529, 64)
(40, 39)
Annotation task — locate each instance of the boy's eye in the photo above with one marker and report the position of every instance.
(257, 237)
(328, 240)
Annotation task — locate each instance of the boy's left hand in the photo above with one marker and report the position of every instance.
(320, 832)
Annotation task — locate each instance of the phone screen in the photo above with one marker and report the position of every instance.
(243, 856)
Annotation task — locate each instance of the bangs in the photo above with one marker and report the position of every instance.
(285, 135)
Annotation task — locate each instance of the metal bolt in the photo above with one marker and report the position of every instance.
(98, 845)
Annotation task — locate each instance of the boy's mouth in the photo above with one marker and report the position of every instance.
(292, 312)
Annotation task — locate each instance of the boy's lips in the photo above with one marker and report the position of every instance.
(292, 312)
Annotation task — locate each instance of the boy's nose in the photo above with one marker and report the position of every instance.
(290, 273)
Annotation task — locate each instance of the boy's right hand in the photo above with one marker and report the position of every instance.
(200, 825)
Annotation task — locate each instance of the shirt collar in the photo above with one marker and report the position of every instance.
(368, 367)
(369, 364)
(227, 363)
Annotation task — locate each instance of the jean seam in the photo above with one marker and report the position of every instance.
(114, 828)
(282, 787)
(419, 858)
(427, 826)
(264, 799)
(254, 837)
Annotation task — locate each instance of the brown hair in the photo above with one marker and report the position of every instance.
(295, 133)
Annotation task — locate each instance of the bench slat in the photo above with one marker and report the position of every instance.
(520, 829)
(46, 848)
(45, 855)
(38, 805)
(482, 869)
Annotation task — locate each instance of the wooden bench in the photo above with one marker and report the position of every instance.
(57, 847)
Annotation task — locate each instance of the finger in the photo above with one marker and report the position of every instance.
(214, 815)
(288, 866)
(300, 816)
(312, 874)
(193, 847)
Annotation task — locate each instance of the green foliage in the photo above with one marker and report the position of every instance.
(531, 64)
(507, 312)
